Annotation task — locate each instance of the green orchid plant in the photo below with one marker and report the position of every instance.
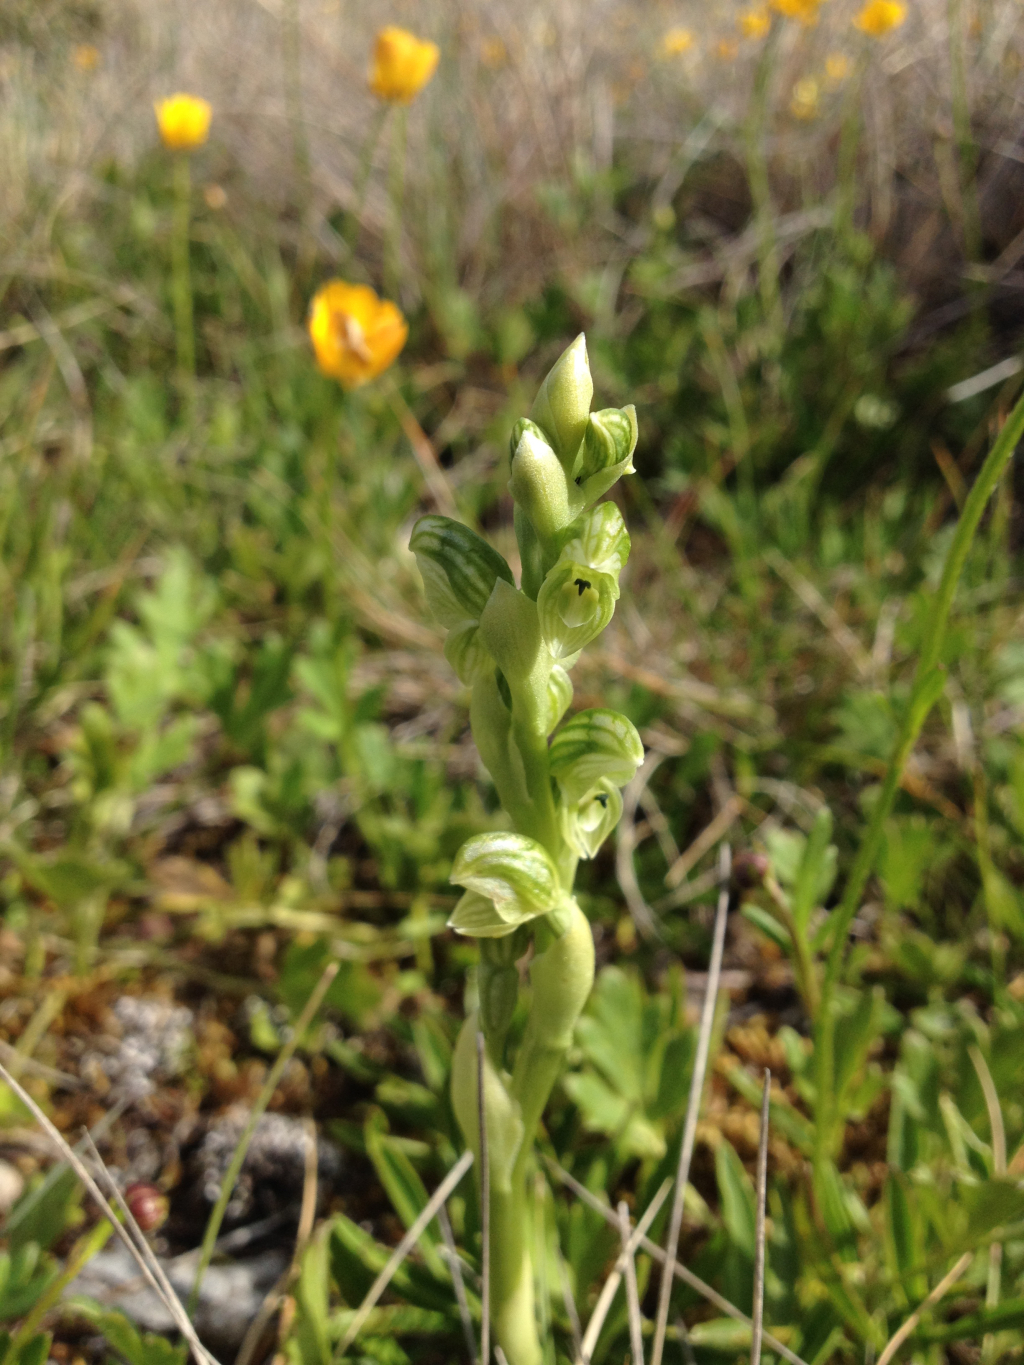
(558, 780)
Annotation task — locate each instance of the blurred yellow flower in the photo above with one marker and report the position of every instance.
(754, 23)
(837, 67)
(493, 53)
(726, 50)
(402, 65)
(355, 334)
(86, 57)
(676, 41)
(184, 121)
(879, 17)
(804, 10)
(803, 102)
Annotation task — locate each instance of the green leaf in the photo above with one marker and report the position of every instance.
(459, 568)
(510, 629)
(1008, 1314)
(769, 926)
(592, 745)
(36, 1351)
(817, 870)
(357, 1260)
(720, 1334)
(124, 1338)
(404, 1188)
(738, 1203)
(312, 1295)
(466, 652)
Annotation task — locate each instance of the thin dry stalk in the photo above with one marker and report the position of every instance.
(636, 1325)
(170, 1301)
(900, 1336)
(423, 450)
(680, 1271)
(569, 1299)
(759, 1231)
(485, 1210)
(693, 1104)
(455, 1266)
(611, 1284)
(626, 840)
(402, 1250)
(998, 1130)
(259, 1107)
(707, 838)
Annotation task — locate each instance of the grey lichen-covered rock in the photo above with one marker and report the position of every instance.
(275, 1164)
(153, 1046)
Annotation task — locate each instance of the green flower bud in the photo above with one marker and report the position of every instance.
(574, 606)
(466, 652)
(610, 440)
(592, 745)
(562, 406)
(510, 630)
(559, 696)
(586, 824)
(459, 568)
(509, 879)
(598, 539)
(538, 483)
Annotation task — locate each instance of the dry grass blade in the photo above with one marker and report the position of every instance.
(636, 1325)
(707, 838)
(402, 1250)
(626, 840)
(568, 1298)
(485, 1210)
(693, 1104)
(262, 1100)
(759, 1231)
(900, 1336)
(680, 1271)
(423, 450)
(611, 1284)
(455, 1266)
(171, 1302)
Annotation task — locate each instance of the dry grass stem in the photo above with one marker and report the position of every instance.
(459, 1283)
(693, 1103)
(759, 1231)
(709, 836)
(636, 1325)
(400, 1252)
(170, 1301)
(900, 1336)
(569, 1299)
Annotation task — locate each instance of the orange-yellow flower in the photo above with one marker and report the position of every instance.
(402, 65)
(803, 101)
(804, 10)
(676, 41)
(86, 57)
(355, 334)
(837, 67)
(184, 121)
(754, 23)
(879, 17)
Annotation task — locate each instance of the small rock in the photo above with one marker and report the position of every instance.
(275, 1165)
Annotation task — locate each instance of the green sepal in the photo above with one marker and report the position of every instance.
(510, 630)
(459, 568)
(512, 870)
(586, 824)
(539, 483)
(598, 539)
(574, 605)
(592, 745)
(477, 916)
(466, 652)
(559, 696)
(593, 478)
(562, 405)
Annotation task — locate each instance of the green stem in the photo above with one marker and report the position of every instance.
(396, 195)
(925, 691)
(181, 278)
(760, 189)
(353, 218)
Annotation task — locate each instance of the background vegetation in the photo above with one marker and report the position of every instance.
(230, 751)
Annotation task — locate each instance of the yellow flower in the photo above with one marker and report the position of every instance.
(754, 23)
(726, 50)
(184, 121)
(804, 10)
(355, 334)
(493, 53)
(86, 57)
(402, 65)
(837, 67)
(676, 41)
(879, 17)
(804, 99)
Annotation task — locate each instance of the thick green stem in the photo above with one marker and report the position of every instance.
(926, 689)
(181, 279)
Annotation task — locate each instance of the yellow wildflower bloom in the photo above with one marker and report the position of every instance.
(803, 102)
(355, 334)
(754, 23)
(804, 10)
(879, 17)
(402, 65)
(184, 121)
(86, 57)
(837, 67)
(676, 41)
